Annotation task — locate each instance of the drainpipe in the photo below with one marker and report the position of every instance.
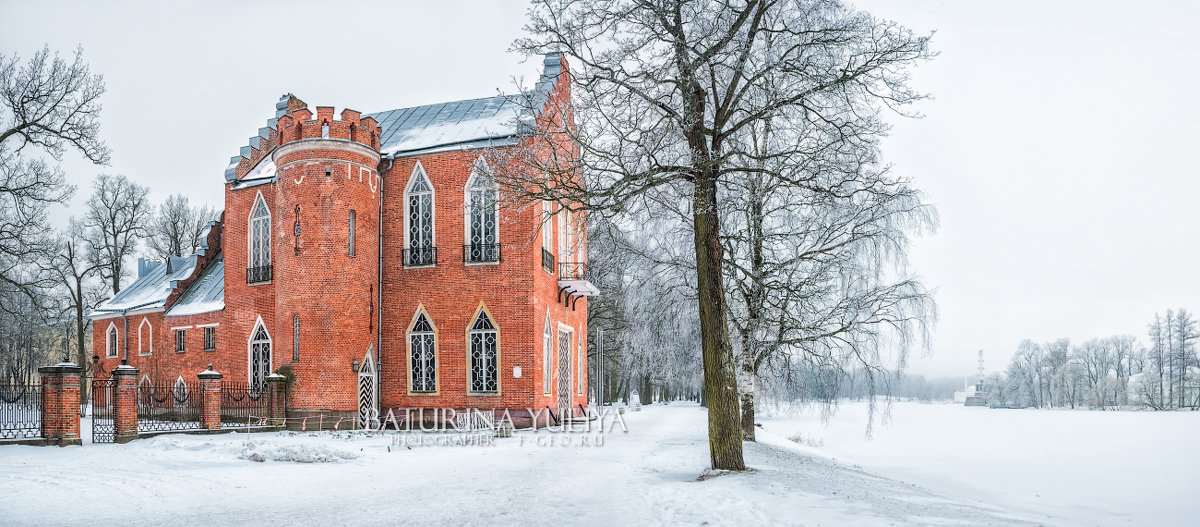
(379, 293)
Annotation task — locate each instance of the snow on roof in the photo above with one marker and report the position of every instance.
(408, 130)
(151, 288)
(206, 294)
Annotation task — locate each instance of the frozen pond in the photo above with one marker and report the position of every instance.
(1067, 466)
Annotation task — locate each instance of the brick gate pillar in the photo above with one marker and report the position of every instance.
(277, 398)
(60, 403)
(125, 403)
(210, 388)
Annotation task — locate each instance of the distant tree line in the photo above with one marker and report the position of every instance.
(1110, 372)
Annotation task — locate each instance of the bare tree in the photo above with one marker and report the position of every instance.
(664, 90)
(76, 273)
(175, 229)
(115, 220)
(47, 105)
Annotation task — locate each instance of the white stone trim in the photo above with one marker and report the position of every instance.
(149, 349)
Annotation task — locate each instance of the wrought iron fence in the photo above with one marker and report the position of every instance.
(20, 410)
(103, 428)
(257, 275)
(481, 252)
(240, 401)
(169, 406)
(573, 271)
(548, 261)
(420, 256)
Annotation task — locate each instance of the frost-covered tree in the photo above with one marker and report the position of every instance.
(48, 106)
(115, 221)
(174, 229)
(662, 92)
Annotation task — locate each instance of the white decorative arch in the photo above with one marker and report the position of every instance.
(112, 337)
(259, 355)
(180, 391)
(420, 204)
(368, 407)
(145, 337)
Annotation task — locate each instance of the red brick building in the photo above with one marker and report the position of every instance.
(382, 268)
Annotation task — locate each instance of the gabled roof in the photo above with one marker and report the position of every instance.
(206, 294)
(151, 288)
(466, 123)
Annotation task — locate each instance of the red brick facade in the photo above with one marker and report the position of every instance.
(356, 308)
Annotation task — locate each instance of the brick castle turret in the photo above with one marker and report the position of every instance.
(328, 251)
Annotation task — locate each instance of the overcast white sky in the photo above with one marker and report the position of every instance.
(1059, 149)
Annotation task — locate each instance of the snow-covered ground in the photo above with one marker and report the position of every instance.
(647, 476)
(1064, 467)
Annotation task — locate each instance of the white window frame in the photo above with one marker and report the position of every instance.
(250, 351)
(547, 355)
(409, 339)
(480, 169)
(112, 338)
(148, 349)
(580, 362)
(563, 248)
(547, 227)
(483, 312)
(408, 241)
(253, 259)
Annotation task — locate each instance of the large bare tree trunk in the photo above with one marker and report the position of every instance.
(720, 380)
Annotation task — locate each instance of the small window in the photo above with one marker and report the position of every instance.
(180, 340)
(547, 355)
(296, 338)
(581, 356)
(111, 349)
(352, 221)
(210, 338)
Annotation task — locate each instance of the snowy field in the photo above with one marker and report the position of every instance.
(1064, 467)
(935, 465)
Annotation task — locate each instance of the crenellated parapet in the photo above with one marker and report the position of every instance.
(350, 126)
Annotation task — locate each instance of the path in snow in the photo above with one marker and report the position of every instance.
(647, 476)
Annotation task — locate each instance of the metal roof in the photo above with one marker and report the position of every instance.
(407, 130)
(206, 294)
(151, 288)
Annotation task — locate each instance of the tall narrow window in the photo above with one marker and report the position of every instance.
(145, 337)
(260, 357)
(481, 221)
(180, 340)
(259, 269)
(563, 249)
(110, 350)
(351, 235)
(210, 338)
(296, 338)
(547, 355)
(547, 238)
(422, 356)
(581, 359)
(418, 220)
(484, 350)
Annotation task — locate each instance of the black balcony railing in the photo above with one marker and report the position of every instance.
(258, 275)
(481, 252)
(420, 256)
(547, 261)
(573, 271)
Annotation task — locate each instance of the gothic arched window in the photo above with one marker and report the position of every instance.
(482, 224)
(418, 220)
(484, 355)
(422, 353)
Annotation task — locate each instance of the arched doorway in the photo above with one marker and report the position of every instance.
(368, 408)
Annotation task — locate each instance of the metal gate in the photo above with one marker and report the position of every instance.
(20, 410)
(103, 429)
(166, 407)
(368, 411)
(564, 371)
